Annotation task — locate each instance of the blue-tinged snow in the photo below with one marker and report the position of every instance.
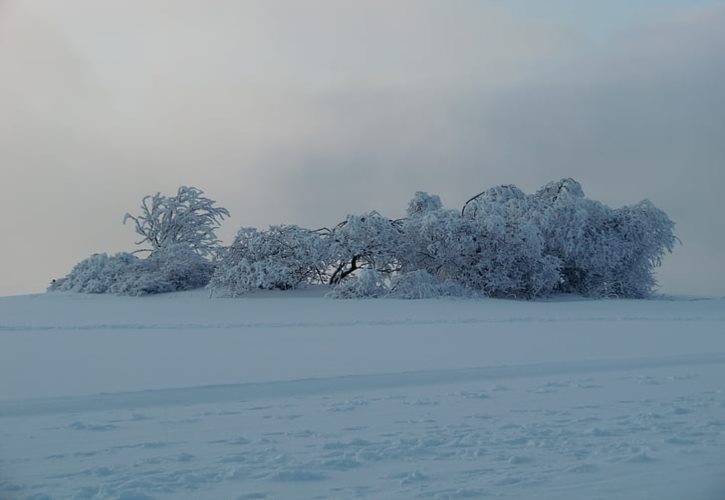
(290, 395)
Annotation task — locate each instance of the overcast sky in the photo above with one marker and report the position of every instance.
(304, 111)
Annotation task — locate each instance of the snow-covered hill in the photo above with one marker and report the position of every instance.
(282, 395)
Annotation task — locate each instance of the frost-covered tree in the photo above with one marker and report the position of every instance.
(603, 251)
(495, 199)
(490, 246)
(282, 257)
(574, 231)
(636, 238)
(422, 203)
(648, 231)
(188, 217)
(368, 241)
(439, 242)
(512, 260)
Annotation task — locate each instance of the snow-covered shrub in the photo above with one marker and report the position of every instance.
(173, 268)
(281, 258)
(423, 285)
(96, 274)
(368, 241)
(366, 284)
(188, 218)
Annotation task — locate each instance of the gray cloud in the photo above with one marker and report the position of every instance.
(301, 115)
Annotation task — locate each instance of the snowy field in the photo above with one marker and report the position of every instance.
(295, 396)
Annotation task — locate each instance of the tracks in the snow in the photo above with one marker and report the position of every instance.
(348, 384)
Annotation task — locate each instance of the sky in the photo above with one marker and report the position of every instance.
(302, 112)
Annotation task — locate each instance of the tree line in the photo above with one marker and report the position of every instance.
(501, 243)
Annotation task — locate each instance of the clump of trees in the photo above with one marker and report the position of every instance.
(501, 243)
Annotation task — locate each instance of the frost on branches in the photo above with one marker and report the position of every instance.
(501, 243)
(282, 257)
(368, 241)
(188, 218)
(490, 246)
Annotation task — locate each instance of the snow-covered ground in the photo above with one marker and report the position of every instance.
(284, 395)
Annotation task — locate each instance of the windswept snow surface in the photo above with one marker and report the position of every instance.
(281, 395)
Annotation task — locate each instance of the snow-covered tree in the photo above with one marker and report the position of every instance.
(495, 199)
(490, 246)
(368, 241)
(636, 238)
(282, 257)
(603, 251)
(572, 228)
(439, 242)
(422, 203)
(188, 217)
(511, 259)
